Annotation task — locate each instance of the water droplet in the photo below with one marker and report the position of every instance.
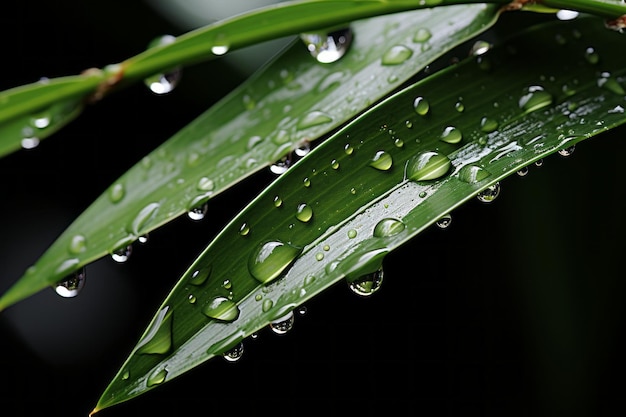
(367, 284)
(116, 192)
(278, 201)
(451, 135)
(41, 121)
(270, 259)
(422, 35)
(428, 165)
(607, 82)
(267, 305)
(78, 244)
(158, 337)
(421, 106)
(283, 324)
(126, 374)
(280, 167)
(199, 276)
(156, 378)
(488, 124)
(396, 55)
(567, 151)
(144, 238)
(219, 49)
(459, 106)
(122, 254)
(535, 98)
(227, 285)
(234, 354)
(444, 221)
(244, 229)
(566, 14)
(328, 47)
(306, 182)
(334, 164)
(221, 308)
(163, 83)
(388, 227)
(199, 212)
(352, 233)
(539, 162)
(70, 286)
(382, 161)
(191, 299)
(473, 174)
(314, 118)
(144, 217)
(348, 149)
(319, 256)
(205, 184)
(30, 142)
(479, 48)
(522, 172)
(304, 212)
(592, 56)
(490, 193)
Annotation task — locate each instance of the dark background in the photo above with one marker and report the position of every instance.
(530, 326)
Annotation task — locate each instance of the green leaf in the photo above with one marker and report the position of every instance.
(378, 182)
(290, 102)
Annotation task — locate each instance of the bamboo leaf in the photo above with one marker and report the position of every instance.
(292, 101)
(376, 183)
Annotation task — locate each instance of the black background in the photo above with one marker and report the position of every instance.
(530, 326)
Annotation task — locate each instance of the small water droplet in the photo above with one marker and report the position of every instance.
(191, 299)
(567, 151)
(368, 284)
(314, 118)
(270, 259)
(205, 184)
(244, 229)
(78, 244)
(592, 56)
(396, 55)
(328, 47)
(199, 212)
(126, 374)
(199, 276)
(452, 135)
(444, 221)
(566, 14)
(459, 106)
(219, 49)
(221, 308)
(539, 162)
(522, 172)
(267, 305)
(473, 174)
(428, 165)
(348, 149)
(122, 254)
(116, 192)
(278, 201)
(479, 48)
(388, 227)
(352, 233)
(234, 354)
(535, 98)
(281, 166)
(163, 83)
(488, 124)
(283, 324)
(144, 238)
(157, 377)
(490, 193)
(422, 35)
(304, 212)
(382, 161)
(30, 142)
(421, 106)
(70, 286)
(334, 164)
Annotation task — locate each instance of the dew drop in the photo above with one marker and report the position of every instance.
(158, 338)
(30, 142)
(451, 135)
(163, 83)
(522, 172)
(422, 35)
(472, 174)
(459, 106)
(234, 354)
(219, 49)
(199, 276)
(221, 308)
(567, 151)
(304, 212)
(352, 233)
(267, 305)
(396, 55)
(479, 48)
(126, 374)
(244, 229)
(157, 377)
(116, 192)
(306, 182)
(280, 167)
(368, 284)
(144, 238)
(314, 118)
(199, 212)
(348, 149)
(421, 106)
(388, 227)
(535, 98)
(488, 124)
(122, 254)
(566, 14)
(70, 286)
(144, 217)
(334, 164)
(283, 324)
(270, 259)
(539, 162)
(490, 193)
(191, 299)
(205, 184)
(328, 47)
(592, 56)
(382, 161)
(428, 165)
(278, 201)
(78, 244)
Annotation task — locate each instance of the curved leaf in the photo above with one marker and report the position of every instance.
(292, 101)
(378, 182)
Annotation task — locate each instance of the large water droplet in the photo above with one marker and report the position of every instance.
(158, 338)
(327, 47)
(452, 135)
(283, 324)
(122, 254)
(144, 217)
(199, 212)
(221, 308)
(382, 161)
(388, 227)
(490, 193)
(488, 124)
(421, 106)
(535, 98)
(473, 174)
(70, 286)
(270, 259)
(304, 212)
(234, 354)
(163, 83)
(367, 284)
(428, 165)
(199, 276)
(397, 54)
(157, 377)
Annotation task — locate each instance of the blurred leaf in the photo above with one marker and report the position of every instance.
(291, 101)
(378, 182)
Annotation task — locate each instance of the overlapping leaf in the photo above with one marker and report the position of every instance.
(378, 182)
(293, 100)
